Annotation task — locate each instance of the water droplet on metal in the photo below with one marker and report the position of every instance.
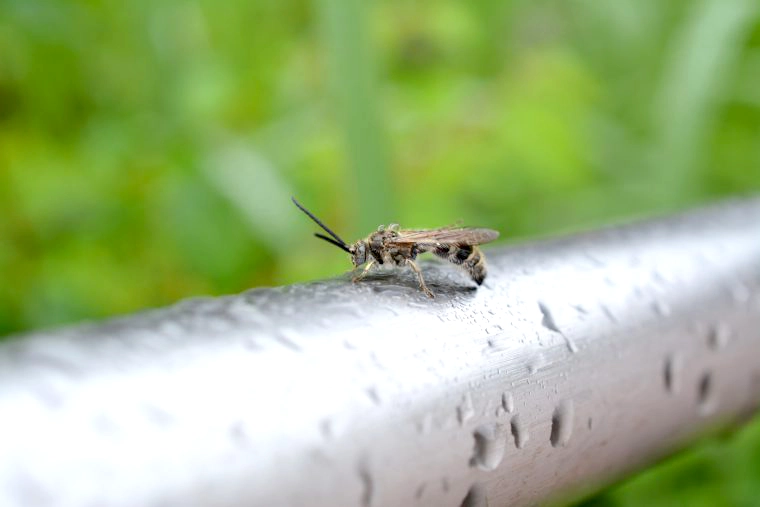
(658, 277)
(476, 497)
(238, 434)
(593, 260)
(661, 308)
(608, 313)
(519, 431)
(426, 424)
(562, 423)
(671, 373)
(287, 338)
(548, 322)
(489, 447)
(719, 336)
(367, 486)
(705, 394)
(465, 411)
(508, 401)
(494, 329)
(537, 363)
(581, 309)
(373, 395)
(325, 428)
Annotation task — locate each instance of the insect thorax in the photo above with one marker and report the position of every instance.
(377, 244)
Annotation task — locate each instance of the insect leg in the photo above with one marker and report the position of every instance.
(364, 271)
(416, 269)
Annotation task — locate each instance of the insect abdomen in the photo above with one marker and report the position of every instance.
(469, 257)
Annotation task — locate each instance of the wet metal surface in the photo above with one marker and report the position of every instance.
(578, 360)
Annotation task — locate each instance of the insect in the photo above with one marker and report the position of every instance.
(401, 247)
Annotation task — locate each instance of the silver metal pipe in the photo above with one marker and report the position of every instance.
(580, 360)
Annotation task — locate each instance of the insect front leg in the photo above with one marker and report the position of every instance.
(417, 270)
(364, 271)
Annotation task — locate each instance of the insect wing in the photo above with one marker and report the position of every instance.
(461, 236)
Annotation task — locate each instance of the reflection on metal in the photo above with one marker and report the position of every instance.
(581, 359)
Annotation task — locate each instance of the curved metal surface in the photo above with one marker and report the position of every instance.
(580, 359)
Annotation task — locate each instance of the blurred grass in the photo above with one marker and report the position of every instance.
(148, 149)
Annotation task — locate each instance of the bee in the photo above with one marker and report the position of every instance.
(400, 247)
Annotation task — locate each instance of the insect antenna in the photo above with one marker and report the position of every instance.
(332, 241)
(338, 242)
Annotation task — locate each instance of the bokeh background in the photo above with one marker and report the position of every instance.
(148, 149)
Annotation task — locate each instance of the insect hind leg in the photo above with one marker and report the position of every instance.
(417, 270)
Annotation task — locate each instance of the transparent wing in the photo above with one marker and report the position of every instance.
(451, 236)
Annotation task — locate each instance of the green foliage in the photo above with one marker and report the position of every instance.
(713, 474)
(148, 149)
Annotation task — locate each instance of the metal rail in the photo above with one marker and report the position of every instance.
(581, 359)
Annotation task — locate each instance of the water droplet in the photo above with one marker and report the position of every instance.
(420, 491)
(376, 361)
(581, 309)
(594, 261)
(548, 322)
(372, 394)
(671, 373)
(661, 308)
(494, 329)
(238, 434)
(287, 338)
(508, 401)
(465, 410)
(519, 431)
(476, 497)
(719, 336)
(426, 424)
(325, 428)
(538, 362)
(590, 423)
(367, 486)
(705, 396)
(489, 447)
(608, 313)
(562, 423)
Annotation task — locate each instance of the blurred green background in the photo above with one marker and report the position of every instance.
(148, 149)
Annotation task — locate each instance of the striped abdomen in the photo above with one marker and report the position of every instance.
(467, 256)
